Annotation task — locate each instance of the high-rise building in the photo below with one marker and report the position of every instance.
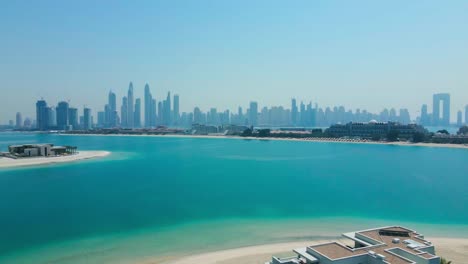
(137, 113)
(101, 118)
(62, 115)
(111, 112)
(176, 115)
(73, 117)
(148, 107)
(130, 107)
(87, 120)
(459, 118)
(153, 112)
(293, 112)
(42, 117)
(425, 120)
(167, 110)
(437, 119)
(466, 115)
(19, 120)
(124, 112)
(197, 116)
(253, 113)
(160, 113)
(52, 113)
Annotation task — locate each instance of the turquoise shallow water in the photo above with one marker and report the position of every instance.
(166, 196)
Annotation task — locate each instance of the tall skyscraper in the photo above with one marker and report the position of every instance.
(52, 113)
(153, 112)
(253, 113)
(466, 115)
(87, 119)
(160, 113)
(137, 113)
(148, 107)
(42, 117)
(130, 107)
(176, 115)
(425, 120)
(439, 120)
(101, 118)
(111, 113)
(62, 115)
(19, 120)
(167, 110)
(73, 117)
(124, 112)
(293, 112)
(459, 118)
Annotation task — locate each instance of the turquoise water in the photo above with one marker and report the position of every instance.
(165, 196)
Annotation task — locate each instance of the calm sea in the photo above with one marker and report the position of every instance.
(167, 196)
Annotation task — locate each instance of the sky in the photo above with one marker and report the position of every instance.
(224, 54)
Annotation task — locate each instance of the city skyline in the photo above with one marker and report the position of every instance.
(223, 55)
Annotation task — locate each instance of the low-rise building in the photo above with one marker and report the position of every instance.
(386, 245)
(40, 150)
(374, 129)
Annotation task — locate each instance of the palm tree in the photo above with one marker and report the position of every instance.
(444, 261)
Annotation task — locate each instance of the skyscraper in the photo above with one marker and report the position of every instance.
(62, 115)
(148, 107)
(425, 120)
(293, 112)
(87, 120)
(466, 115)
(137, 113)
(124, 112)
(73, 117)
(176, 115)
(112, 110)
(52, 117)
(42, 117)
(19, 120)
(459, 118)
(130, 107)
(253, 113)
(167, 110)
(443, 120)
(153, 112)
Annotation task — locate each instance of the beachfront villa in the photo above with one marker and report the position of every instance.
(40, 150)
(386, 245)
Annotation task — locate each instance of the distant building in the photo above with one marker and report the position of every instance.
(137, 113)
(130, 107)
(466, 115)
(293, 112)
(374, 129)
(437, 118)
(386, 245)
(87, 120)
(253, 113)
(73, 118)
(176, 115)
(124, 112)
(19, 120)
(198, 129)
(459, 118)
(425, 119)
(42, 117)
(148, 107)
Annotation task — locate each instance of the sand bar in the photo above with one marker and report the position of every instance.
(35, 161)
(454, 249)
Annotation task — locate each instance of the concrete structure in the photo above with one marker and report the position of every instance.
(130, 107)
(149, 114)
(386, 245)
(253, 113)
(42, 116)
(40, 150)
(137, 114)
(87, 119)
(459, 118)
(374, 129)
(73, 117)
(175, 118)
(19, 120)
(437, 119)
(62, 113)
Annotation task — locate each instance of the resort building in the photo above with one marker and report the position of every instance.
(40, 150)
(387, 245)
(374, 129)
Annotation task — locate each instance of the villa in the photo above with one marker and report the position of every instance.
(40, 150)
(386, 245)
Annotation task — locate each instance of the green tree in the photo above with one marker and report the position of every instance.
(392, 135)
(463, 130)
(443, 131)
(247, 133)
(264, 132)
(419, 137)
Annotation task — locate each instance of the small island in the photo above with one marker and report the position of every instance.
(44, 153)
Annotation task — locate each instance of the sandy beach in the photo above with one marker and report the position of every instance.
(24, 162)
(325, 140)
(454, 249)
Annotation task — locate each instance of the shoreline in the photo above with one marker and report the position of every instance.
(38, 161)
(320, 140)
(454, 249)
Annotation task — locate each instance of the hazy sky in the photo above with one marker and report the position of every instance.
(360, 54)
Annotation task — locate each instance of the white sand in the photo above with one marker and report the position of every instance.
(455, 249)
(23, 162)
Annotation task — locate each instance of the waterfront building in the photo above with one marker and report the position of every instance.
(386, 245)
(253, 113)
(62, 111)
(437, 119)
(137, 113)
(42, 117)
(19, 120)
(40, 150)
(130, 107)
(73, 117)
(87, 119)
(374, 129)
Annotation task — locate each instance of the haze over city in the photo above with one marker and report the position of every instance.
(224, 55)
